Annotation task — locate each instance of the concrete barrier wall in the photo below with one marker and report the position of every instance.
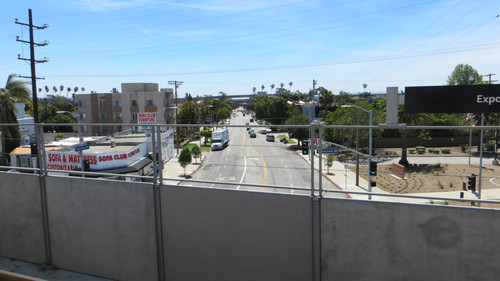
(231, 235)
(21, 228)
(389, 241)
(102, 228)
(107, 229)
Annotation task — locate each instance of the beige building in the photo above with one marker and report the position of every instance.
(115, 109)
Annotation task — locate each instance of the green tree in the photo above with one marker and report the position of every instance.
(14, 91)
(329, 162)
(409, 119)
(185, 158)
(207, 133)
(196, 151)
(297, 118)
(188, 114)
(464, 74)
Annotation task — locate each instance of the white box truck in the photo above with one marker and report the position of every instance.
(220, 139)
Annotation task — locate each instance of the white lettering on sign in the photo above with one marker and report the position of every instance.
(488, 100)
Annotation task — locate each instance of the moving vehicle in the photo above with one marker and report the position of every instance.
(253, 135)
(220, 139)
(251, 131)
(263, 132)
(270, 138)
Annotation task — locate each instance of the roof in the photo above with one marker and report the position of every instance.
(23, 150)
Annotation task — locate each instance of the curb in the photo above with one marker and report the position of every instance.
(326, 177)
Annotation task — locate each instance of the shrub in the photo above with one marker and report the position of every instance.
(412, 150)
(489, 146)
(420, 149)
(445, 150)
(463, 147)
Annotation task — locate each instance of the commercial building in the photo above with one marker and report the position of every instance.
(115, 108)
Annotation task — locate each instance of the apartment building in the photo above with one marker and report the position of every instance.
(114, 109)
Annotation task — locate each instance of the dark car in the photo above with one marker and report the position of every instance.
(253, 135)
(263, 132)
(270, 138)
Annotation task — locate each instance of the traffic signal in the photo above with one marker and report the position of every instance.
(471, 182)
(34, 149)
(373, 168)
(305, 148)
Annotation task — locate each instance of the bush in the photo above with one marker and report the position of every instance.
(412, 150)
(463, 147)
(489, 146)
(420, 149)
(445, 150)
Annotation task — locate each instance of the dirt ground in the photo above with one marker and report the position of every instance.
(425, 178)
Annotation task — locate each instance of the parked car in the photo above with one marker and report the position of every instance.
(270, 138)
(253, 135)
(251, 119)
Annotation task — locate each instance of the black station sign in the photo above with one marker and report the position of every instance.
(453, 99)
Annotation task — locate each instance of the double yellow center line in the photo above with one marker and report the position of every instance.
(261, 158)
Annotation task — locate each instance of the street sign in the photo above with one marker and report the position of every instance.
(329, 151)
(316, 142)
(82, 147)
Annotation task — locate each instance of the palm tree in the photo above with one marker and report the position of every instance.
(61, 88)
(262, 87)
(408, 119)
(282, 85)
(14, 91)
(272, 87)
(254, 89)
(54, 88)
(290, 84)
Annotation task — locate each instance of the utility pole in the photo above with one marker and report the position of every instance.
(38, 132)
(495, 161)
(32, 60)
(176, 85)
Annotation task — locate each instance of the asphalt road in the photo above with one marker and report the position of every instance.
(256, 161)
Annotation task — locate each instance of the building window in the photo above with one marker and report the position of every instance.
(119, 128)
(118, 116)
(103, 116)
(133, 102)
(83, 116)
(102, 103)
(134, 115)
(149, 102)
(85, 128)
(104, 129)
(118, 103)
(82, 104)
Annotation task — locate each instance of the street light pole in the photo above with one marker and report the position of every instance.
(370, 146)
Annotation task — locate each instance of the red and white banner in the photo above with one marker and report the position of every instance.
(68, 161)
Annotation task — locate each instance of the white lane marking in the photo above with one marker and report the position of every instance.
(217, 177)
(244, 171)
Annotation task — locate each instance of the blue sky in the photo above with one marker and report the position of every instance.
(235, 45)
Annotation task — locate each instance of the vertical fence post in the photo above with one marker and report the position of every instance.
(42, 172)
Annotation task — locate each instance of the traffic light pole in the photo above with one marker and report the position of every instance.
(370, 155)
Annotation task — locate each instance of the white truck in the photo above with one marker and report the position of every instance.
(220, 139)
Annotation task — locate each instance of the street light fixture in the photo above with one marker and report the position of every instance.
(370, 145)
(80, 138)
